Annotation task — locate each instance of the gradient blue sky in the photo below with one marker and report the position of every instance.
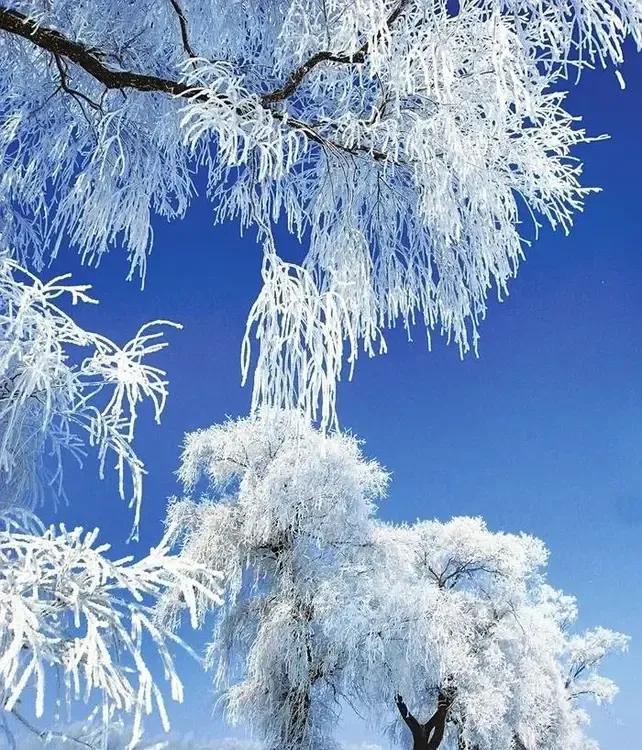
(542, 433)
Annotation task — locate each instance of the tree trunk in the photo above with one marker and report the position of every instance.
(426, 736)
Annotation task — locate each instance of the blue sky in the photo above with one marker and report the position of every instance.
(542, 433)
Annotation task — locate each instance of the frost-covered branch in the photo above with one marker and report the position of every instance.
(585, 652)
(50, 736)
(92, 62)
(345, 58)
(89, 59)
(66, 608)
(62, 387)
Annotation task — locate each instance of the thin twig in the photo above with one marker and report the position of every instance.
(44, 734)
(346, 58)
(183, 24)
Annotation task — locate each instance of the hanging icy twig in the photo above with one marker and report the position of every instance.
(52, 402)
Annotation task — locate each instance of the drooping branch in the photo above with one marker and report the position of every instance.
(67, 88)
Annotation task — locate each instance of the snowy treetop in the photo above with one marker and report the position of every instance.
(326, 605)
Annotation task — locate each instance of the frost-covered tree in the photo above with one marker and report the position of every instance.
(287, 511)
(404, 141)
(326, 605)
(457, 625)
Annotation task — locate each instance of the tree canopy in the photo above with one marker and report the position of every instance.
(406, 143)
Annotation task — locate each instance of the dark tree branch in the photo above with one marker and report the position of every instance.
(437, 725)
(427, 736)
(183, 25)
(414, 726)
(64, 84)
(92, 62)
(345, 58)
(430, 725)
(88, 59)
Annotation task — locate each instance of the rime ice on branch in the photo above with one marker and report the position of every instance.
(68, 612)
(76, 626)
(403, 141)
(62, 386)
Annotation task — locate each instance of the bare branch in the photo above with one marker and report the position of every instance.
(435, 728)
(414, 726)
(46, 734)
(183, 24)
(64, 85)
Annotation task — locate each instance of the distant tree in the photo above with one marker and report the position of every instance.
(325, 605)
(403, 141)
(460, 622)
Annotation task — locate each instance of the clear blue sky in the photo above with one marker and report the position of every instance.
(542, 433)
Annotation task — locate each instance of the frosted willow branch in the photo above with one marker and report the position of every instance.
(53, 400)
(413, 147)
(66, 607)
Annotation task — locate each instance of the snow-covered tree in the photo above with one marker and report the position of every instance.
(404, 141)
(457, 626)
(288, 511)
(67, 610)
(62, 387)
(326, 605)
